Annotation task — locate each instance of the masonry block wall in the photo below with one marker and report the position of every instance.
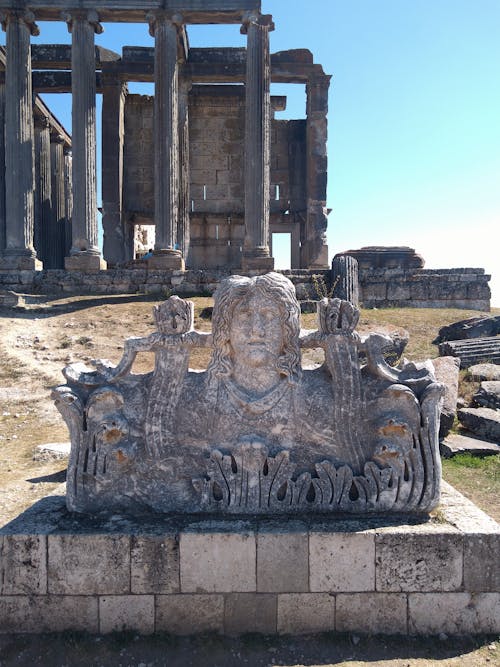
(232, 577)
(216, 203)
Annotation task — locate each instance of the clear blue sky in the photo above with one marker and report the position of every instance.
(414, 117)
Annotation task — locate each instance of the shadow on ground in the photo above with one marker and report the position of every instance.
(128, 649)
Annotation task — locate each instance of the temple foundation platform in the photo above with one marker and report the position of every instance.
(376, 575)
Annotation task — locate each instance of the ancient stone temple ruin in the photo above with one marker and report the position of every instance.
(256, 433)
(203, 160)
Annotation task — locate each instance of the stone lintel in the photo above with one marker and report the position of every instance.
(58, 56)
(133, 11)
(85, 262)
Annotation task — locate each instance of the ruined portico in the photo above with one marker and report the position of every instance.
(282, 186)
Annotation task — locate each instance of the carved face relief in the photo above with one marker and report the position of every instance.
(174, 316)
(256, 333)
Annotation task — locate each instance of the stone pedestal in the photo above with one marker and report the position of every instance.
(257, 143)
(84, 261)
(60, 572)
(18, 252)
(166, 260)
(83, 25)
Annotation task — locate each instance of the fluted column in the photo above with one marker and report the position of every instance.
(257, 142)
(84, 254)
(43, 191)
(164, 28)
(115, 239)
(183, 227)
(19, 142)
(314, 248)
(58, 202)
(2, 167)
(68, 197)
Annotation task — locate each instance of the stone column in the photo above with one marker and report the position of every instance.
(85, 254)
(57, 255)
(43, 191)
(257, 143)
(315, 249)
(2, 166)
(68, 197)
(164, 28)
(113, 101)
(19, 142)
(183, 225)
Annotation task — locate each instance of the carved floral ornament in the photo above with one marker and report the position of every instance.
(256, 433)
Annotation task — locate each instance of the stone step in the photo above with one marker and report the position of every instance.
(483, 422)
(472, 351)
(462, 444)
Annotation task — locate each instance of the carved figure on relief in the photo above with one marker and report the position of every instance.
(254, 433)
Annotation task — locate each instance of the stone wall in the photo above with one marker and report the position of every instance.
(424, 288)
(139, 280)
(59, 572)
(216, 135)
(397, 288)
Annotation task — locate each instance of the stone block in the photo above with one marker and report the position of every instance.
(85, 262)
(89, 564)
(481, 562)
(454, 613)
(282, 562)
(372, 613)
(118, 613)
(427, 561)
(48, 613)
(218, 562)
(303, 613)
(342, 562)
(250, 612)
(189, 614)
(154, 564)
(23, 564)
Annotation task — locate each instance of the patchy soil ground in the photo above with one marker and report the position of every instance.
(37, 342)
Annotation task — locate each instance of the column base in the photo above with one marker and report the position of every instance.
(166, 260)
(20, 263)
(86, 262)
(257, 263)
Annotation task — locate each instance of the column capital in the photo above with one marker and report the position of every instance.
(90, 16)
(159, 16)
(56, 138)
(256, 19)
(22, 15)
(41, 121)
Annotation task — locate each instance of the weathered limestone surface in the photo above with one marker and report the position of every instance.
(473, 351)
(487, 371)
(473, 327)
(488, 395)
(460, 444)
(445, 571)
(446, 370)
(483, 422)
(256, 433)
